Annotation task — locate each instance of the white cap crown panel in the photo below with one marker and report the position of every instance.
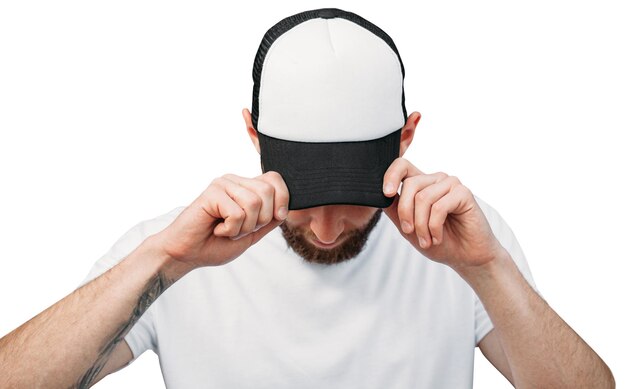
(330, 80)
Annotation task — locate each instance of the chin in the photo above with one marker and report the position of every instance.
(314, 251)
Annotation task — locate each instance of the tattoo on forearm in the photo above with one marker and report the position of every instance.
(153, 290)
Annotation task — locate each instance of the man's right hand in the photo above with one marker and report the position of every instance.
(79, 339)
(232, 214)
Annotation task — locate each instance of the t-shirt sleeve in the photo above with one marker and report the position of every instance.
(482, 322)
(141, 336)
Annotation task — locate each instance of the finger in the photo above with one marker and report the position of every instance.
(395, 174)
(410, 187)
(424, 201)
(392, 212)
(227, 209)
(264, 191)
(249, 201)
(452, 203)
(257, 235)
(281, 194)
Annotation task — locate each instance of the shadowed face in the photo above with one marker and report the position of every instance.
(329, 234)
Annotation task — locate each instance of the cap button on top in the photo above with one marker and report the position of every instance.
(328, 13)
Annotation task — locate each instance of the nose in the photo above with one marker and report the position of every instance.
(326, 224)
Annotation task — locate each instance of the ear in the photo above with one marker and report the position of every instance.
(254, 137)
(406, 136)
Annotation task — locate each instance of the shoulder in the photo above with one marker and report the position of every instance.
(499, 226)
(145, 228)
(130, 240)
(505, 235)
(492, 215)
(149, 227)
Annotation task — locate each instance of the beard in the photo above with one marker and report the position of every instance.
(352, 244)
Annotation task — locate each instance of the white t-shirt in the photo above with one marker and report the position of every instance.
(388, 318)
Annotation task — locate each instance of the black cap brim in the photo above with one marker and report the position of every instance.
(332, 173)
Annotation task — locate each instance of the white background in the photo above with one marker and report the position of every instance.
(116, 112)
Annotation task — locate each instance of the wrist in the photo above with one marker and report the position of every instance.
(169, 267)
(487, 272)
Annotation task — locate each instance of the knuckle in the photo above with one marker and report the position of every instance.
(238, 215)
(272, 175)
(275, 182)
(421, 197)
(209, 193)
(411, 181)
(440, 175)
(463, 191)
(272, 178)
(436, 214)
(264, 219)
(229, 229)
(454, 180)
(217, 181)
(253, 202)
(266, 189)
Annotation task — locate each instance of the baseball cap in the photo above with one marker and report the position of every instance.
(328, 107)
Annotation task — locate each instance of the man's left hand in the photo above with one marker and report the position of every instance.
(439, 216)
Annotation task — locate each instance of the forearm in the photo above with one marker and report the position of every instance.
(67, 344)
(542, 350)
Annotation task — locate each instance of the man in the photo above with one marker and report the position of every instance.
(339, 295)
